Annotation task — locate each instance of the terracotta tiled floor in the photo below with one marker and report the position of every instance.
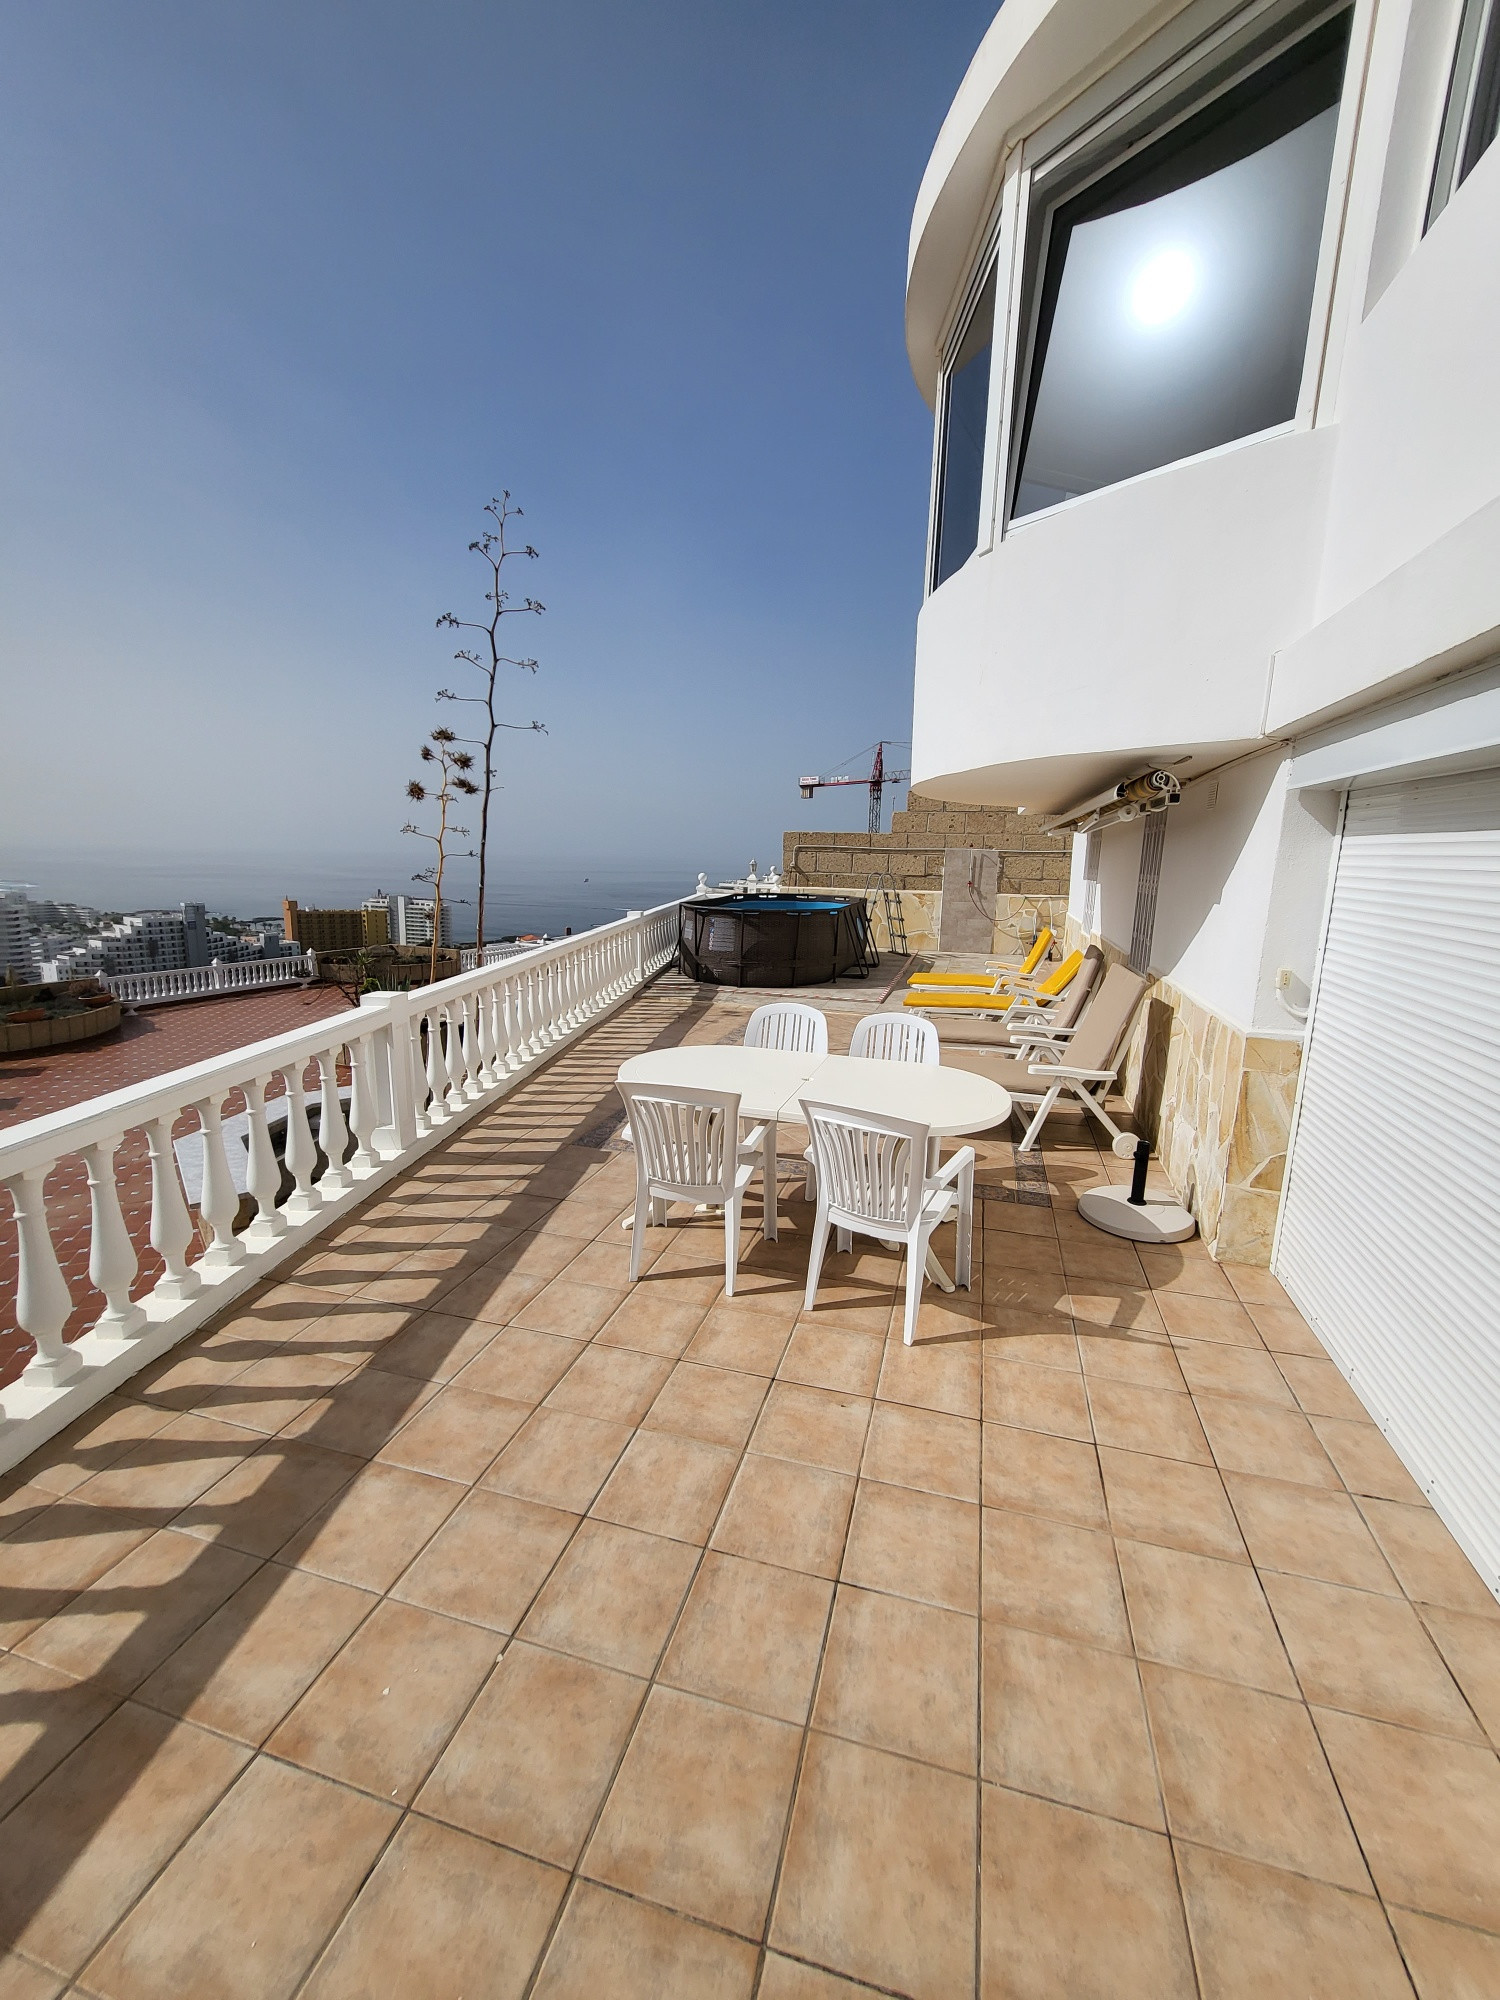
(454, 1620)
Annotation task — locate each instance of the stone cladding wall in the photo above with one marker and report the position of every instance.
(1217, 1106)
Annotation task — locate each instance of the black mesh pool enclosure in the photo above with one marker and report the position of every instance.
(775, 940)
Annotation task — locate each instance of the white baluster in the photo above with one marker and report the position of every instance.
(264, 1176)
(437, 1070)
(304, 1201)
(363, 1113)
(171, 1224)
(43, 1300)
(112, 1258)
(453, 1056)
(507, 1029)
(219, 1202)
(333, 1133)
(473, 1061)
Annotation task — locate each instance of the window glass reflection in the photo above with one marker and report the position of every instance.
(966, 406)
(1173, 310)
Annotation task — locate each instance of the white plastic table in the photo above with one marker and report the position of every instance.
(771, 1082)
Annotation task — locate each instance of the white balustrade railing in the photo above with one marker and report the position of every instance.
(419, 1064)
(201, 982)
(468, 956)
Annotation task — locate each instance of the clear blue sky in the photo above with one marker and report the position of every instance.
(291, 289)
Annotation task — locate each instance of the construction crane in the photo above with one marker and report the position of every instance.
(877, 781)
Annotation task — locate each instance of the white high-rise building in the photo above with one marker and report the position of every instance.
(18, 954)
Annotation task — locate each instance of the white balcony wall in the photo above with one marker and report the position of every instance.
(1122, 625)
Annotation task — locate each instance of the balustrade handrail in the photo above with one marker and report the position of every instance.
(234, 975)
(419, 1063)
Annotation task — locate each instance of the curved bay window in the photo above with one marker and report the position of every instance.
(1172, 278)
(966, 410)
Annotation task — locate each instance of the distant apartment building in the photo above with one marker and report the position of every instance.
(18, 953)
(411, 921)
(336, 930)
(147, 941)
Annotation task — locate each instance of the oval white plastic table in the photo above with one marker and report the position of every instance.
(770, 1083)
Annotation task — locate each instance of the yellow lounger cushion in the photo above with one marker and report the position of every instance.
(1032, 959)
(987, 1000)
(986, 981)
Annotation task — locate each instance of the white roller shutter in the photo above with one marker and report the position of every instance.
(1389, 1239)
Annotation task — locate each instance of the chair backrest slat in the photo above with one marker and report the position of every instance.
(895, 1038)
(788, 1024)
(684, 1138)
(871, 1169)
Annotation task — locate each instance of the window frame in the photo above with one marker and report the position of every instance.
(1476, 53)
(1170, 81)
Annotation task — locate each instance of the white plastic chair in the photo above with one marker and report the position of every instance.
(788, 1024)
(688, 1148)
(895, 1038)
(872, 1180)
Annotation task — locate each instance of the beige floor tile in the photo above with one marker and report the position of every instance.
(521, 1364)
(1007, 1287)
(1101, 1307)
(1244, 1772)
(613, 1384)
(1427, 1812)
(92, 1835)
(1430, 1566)
(779, 1511)
(368, 1533)
(750, 1338)
(1030, 1339)
(437, 1347)
(668, 1486)
(1171, 1504)
(935, 1372)
(1124, 1357)
(362, 1413)
(206, 1925)
(493, 1293)
(789, 1979)
(652, 1324)
(45, 1715)
(443, 1915)
(919, 1545)
(1171, 1269)
(1282, 1328)
(1049, 1577)
(1366, 1463)
(1254, 1286)
(268, 1496)
(169, 1470)
(1033, 1398)
(1104, 1258)
(751, 1634)
(558, 1459)
(716, 1404)
(380, 1713)
(489, 1560)
(1320, 1389)
(1067, 1721)
(1369, 1654)
(901, 1676)
(830, 1357)
(605, 1262)
(1077, 1905)
(1471, 1646)
(23, 1979)
(694, 1819)
(1209, 1616)
(533, 1758)
(457, 1435)
(1260, 1931)
(1309, 1533)
(129, 1620)
(1448, 1961)
(1217, 1320)
(873, 1839)
(609, 1944)
(864, 1310)
(1038, 1474)
(924, 1449)
(1214, 1368)
(1272, 1443)
(1153, 1421)
(613, 1597)
(814, 1426)
(574, 1310)
(245, 1666)
(271, 1393)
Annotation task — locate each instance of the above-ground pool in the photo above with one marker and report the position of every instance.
(775, 940)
